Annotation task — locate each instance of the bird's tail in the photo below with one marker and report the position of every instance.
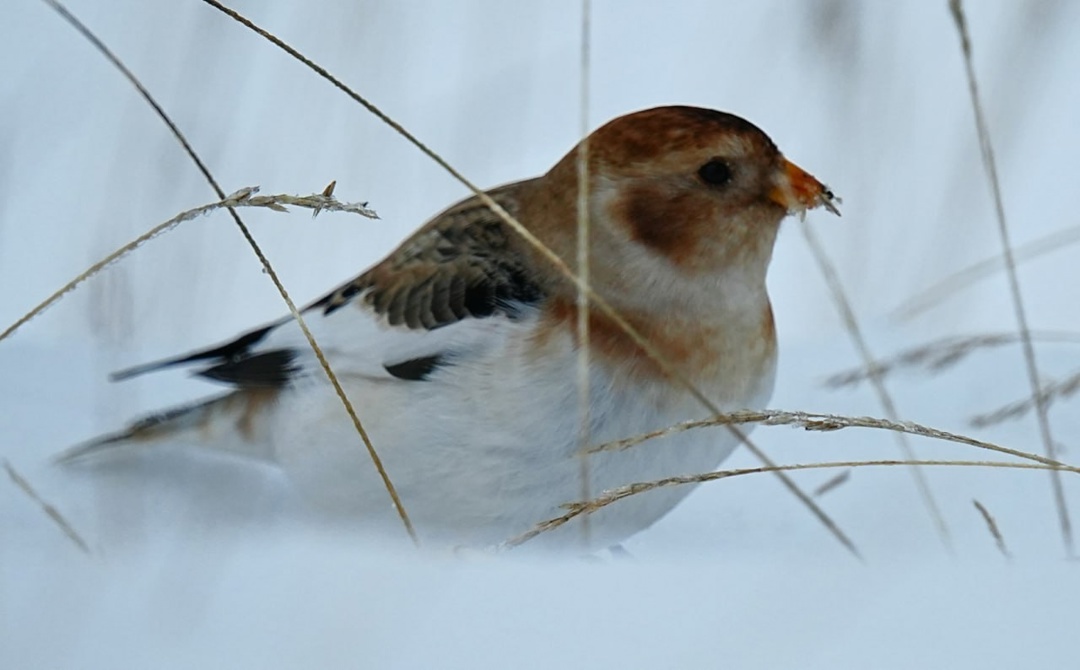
(234, 422)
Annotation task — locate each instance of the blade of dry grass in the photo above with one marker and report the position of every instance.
(956, 8)
(267, 267)
(614, 495)
(557, 262)
(1048, 394)
(832, 483)
(816, 422)
(851, 324)
(245, 197)
(991, 525)
(62, 523)
(987, 267)
(940, 354)
(583, 382)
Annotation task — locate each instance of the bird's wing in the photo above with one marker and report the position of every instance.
(438, 294)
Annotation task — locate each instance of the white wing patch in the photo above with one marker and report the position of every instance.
(358, 342)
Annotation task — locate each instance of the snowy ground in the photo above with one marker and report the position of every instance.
(212, 563)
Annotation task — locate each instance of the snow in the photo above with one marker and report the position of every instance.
(200, 561)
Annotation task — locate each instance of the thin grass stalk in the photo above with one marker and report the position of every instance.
(823, 423)
(992, 528)
(57, 518)
(245, 197)
(963, 278)
(1050, 393)
(942, 353)
(612, 496)
(583, 343)
(851, 324)
(956, 7)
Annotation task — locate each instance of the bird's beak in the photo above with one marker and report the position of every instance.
(797, 191)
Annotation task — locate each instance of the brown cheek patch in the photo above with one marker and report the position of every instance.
(671, 225)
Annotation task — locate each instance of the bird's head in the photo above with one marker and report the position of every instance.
(702, 189)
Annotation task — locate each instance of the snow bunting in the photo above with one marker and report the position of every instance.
(459, 351)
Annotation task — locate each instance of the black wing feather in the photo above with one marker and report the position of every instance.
(270, 369)
(233, 350)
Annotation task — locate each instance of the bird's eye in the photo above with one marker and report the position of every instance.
(716, 172)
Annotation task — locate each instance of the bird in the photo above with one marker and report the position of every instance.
(460, 351)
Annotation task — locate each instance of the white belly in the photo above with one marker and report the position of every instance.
(487, 448)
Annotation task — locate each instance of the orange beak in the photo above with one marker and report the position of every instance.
(797, 191)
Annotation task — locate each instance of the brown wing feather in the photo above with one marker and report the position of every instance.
(463, 264)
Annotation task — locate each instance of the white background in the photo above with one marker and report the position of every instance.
(204, 562)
